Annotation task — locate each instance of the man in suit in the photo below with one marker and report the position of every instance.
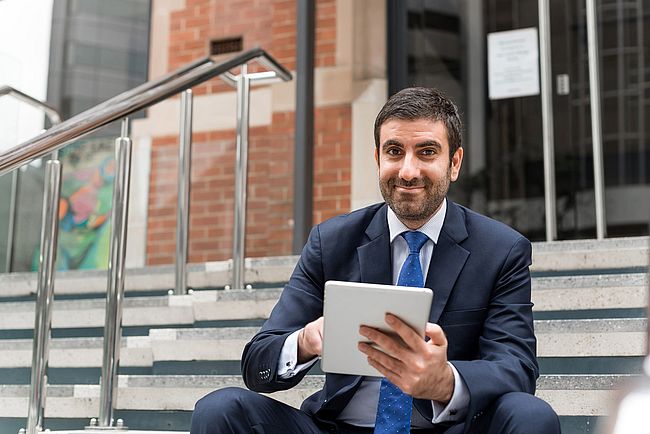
(476, 370)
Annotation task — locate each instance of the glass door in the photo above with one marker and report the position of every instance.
(448, 44)
(623, 61)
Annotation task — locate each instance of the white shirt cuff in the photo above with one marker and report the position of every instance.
(456, 409)
(288, 363)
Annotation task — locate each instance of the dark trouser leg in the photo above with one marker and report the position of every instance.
(517, 413)
(240, 411)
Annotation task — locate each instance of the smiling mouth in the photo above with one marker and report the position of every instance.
(410, 187)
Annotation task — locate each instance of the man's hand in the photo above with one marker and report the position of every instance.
(418, 368)
(310, 341)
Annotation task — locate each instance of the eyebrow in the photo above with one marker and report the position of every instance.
(425, 144)
(429, 143)
(391, 142)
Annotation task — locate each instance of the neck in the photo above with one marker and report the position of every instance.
(415, 224)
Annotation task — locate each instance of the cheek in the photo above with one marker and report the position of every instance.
(435, 173)
(386, 170)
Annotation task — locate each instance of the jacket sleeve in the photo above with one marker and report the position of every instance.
(300, 303)
(506, 359)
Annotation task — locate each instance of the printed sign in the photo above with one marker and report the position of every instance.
(513, 63)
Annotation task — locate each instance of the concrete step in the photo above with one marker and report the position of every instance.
(556, 338)
(221, 343)
(585, 255)
(260, 272)
(570, 395)
(208, 305)
(76, 352)
(591, 338)
(560, 256)
(606, 292)
(601, 291)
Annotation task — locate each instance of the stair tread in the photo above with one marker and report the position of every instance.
(551, 382)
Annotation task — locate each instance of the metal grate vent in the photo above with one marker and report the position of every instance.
(225, 46)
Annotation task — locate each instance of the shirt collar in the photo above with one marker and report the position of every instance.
(431, 228)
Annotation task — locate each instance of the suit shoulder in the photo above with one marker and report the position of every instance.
(352, 221)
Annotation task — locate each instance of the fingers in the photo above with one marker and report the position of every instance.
(388, 343)
(378, 356)
(409, 338)
(417, 367)
(384, 364)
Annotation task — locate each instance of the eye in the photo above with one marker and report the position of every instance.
(393, 151)
(428, 151)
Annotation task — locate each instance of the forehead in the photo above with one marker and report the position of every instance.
(415, 131)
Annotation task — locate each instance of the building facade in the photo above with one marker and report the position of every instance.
(491, 56)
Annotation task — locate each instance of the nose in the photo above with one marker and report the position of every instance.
(410, 168)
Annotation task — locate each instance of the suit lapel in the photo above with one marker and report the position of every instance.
(448, 259)
(374, 256)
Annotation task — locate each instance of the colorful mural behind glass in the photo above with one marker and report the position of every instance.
(85, 206)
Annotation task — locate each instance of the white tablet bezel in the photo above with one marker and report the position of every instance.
(347, 305)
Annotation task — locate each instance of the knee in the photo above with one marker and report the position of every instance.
(523, 412)
(215, 409)
(221, 400)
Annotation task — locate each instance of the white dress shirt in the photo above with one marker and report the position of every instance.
(362, 408)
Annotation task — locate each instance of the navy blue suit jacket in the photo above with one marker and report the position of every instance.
(481, 284)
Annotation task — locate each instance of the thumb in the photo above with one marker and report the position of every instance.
(435, 334)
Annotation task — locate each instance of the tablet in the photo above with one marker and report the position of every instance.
(347, 305)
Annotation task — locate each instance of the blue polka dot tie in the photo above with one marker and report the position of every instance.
(395, 407)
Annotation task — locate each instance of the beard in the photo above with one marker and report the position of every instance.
(408, 208)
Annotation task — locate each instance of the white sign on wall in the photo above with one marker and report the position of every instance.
(513, 63)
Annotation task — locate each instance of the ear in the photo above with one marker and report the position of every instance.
(456, 162)
(377, 156)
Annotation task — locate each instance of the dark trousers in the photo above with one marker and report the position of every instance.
(240, 411)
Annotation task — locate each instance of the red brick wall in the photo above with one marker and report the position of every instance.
(269, 24)
(270, 187)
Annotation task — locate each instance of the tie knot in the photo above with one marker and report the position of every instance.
(415, 240)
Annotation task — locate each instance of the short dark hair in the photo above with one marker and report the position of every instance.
(415, 103)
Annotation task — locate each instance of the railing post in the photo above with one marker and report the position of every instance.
(12, 220)
(596, 128)
(241, 172)
(184, 184)
(547, 119)
(115, 291)
(43, 320)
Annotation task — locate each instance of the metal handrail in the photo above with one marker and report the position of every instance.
(55, 118)
(52, 113)
(128, 103)
(120, 107)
